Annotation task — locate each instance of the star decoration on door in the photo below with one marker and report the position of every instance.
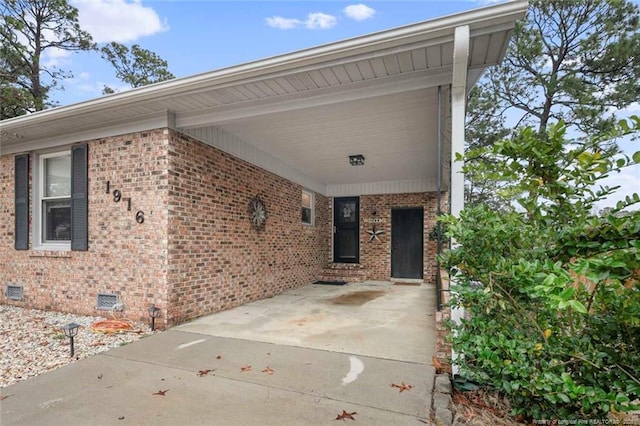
(374, 234)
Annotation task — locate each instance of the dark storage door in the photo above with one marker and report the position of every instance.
(346, 230)
(406, 243)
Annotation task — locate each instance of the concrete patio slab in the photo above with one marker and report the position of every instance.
(346, 365)
(376, 319)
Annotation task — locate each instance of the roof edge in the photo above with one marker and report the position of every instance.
(476, 19)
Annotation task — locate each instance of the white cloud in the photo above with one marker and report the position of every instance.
(359, 12)
(283, 23)
(631, 109)
(118, 20)
(84, 85)
(321, 21)
(53, 57)
(314, 21)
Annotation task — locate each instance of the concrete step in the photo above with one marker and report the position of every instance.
(343, 272)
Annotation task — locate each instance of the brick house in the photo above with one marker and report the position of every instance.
(206, 192)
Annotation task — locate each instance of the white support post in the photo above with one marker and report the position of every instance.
(458, 108)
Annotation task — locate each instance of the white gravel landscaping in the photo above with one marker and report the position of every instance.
(32, 342)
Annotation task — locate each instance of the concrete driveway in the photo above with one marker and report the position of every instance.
(301, 358)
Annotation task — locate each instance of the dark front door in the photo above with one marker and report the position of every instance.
(406, 243)
(346, 230)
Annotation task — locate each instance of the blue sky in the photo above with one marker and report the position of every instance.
(200, 36)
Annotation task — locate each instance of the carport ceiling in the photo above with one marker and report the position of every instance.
(396, 134)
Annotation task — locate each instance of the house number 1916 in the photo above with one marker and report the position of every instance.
(117, 197)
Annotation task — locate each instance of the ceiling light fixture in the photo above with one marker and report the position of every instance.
(356, 160)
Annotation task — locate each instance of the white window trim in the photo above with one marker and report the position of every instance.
(312, 202)
(36, 231)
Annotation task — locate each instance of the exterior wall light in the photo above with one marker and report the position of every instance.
(154, 312)
(71, 331)
(356, 160)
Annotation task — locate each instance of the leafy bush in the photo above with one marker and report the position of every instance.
(551, 289)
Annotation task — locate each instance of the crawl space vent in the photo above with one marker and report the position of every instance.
(106, 301)
(14, 292)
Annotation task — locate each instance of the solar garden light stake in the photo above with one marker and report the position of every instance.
(154, 312)
(71, 331)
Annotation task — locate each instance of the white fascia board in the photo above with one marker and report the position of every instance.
(164, 119)
(380, 188)
(503, 13)
(326, 96)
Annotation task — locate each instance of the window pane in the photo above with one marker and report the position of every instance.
(56, 223)
(306, 199)
(348, 213)
(306, 216)
(57, 176)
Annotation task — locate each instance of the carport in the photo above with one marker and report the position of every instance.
(345, 154)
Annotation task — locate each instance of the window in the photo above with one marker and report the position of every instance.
(59, 205)
(55, 198)
(307, 207)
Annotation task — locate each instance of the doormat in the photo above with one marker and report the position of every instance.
(410, 284)
(331, 282)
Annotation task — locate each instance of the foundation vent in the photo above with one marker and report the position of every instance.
(14, 292)
(106, 301)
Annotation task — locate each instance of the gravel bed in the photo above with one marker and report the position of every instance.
(32, 342)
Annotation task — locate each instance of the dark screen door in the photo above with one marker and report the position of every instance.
(406, 243)
(346, 231)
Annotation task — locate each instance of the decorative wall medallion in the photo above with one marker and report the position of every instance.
(257, 213)
(374, 234)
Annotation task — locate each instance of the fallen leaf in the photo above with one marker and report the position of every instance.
(204, 372)
(4, 397)
(245, 368)
(161, 392)
(440, 367)
(218, 357)
(268, 370)
(345, 415)
(402, 387)
(436, 363)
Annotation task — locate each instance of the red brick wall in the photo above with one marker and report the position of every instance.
(216, 260)
(375, 256)
(124, 257)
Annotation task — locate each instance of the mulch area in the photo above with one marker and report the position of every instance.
(480, 408)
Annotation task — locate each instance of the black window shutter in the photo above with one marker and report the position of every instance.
(79, 202)
(22, 202)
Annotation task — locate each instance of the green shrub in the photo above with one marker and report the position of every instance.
(551, 289)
